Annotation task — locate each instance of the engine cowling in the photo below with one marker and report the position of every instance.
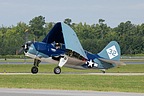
(26, 46)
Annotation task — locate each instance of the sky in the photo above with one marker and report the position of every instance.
(90, 11)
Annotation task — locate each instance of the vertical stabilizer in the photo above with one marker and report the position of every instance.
(111, 51)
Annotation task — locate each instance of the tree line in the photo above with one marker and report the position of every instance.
(92, 37)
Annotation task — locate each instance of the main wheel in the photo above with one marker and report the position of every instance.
(34, 70)
(57, 70)
(103, 71)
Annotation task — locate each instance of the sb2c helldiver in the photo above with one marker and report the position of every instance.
(62, 46)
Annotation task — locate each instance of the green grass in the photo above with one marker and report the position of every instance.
(16, 60)
(130, 68)
(31, 60)
(72, 81)
(48, 68)
(75, 82)
(133, 60)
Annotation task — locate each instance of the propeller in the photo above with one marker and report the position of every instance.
(25, 47)
(19, 51)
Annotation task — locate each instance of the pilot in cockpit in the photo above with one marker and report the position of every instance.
(57, 45)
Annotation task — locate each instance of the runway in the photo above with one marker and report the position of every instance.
(39, 92)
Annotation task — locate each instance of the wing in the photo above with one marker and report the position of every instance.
(71, 40)
(62, 33)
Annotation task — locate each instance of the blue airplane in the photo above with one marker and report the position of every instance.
(62, 46)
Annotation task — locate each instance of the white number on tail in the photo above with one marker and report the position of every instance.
(112, 52)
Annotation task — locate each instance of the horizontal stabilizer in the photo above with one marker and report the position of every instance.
(117, 63)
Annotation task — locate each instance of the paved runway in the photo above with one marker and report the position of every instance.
(37, 92)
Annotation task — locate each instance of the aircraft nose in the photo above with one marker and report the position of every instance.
(26, 46)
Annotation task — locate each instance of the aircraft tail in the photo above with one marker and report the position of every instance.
(110, 55)
(111, 51)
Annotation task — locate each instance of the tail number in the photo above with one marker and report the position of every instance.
(112, 52)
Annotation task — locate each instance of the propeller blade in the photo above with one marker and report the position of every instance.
(20, 50)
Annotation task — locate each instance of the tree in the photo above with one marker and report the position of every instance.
(68, 21)
(92, 37)
(37, 26)
(48, 27)
(126, 35)
(3, 31)
(103, 27)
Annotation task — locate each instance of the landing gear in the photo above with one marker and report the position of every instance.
(62, 61)
(103, 70)
(34, 69)
(57, 70)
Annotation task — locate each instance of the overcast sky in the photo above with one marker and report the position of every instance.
(90, 11)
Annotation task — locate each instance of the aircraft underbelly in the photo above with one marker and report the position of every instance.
(49, 60)
(71, 62)
(74, 62)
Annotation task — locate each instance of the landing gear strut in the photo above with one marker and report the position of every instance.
(57, 70)
(34, 69)
(62, 61)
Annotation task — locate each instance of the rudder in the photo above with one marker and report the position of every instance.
(111, 51)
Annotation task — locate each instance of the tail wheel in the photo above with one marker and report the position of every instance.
(34, 70)
(57, 70)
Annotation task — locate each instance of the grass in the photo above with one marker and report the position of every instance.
(75, 82)
(133, 60)
(16, 60)
(72, 81)
(130, 68)
(48, 68)
(31, 60)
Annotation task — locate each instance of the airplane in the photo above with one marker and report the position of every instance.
(62, 46)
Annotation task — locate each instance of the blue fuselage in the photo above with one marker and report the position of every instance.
(42, 51)
(51, 50)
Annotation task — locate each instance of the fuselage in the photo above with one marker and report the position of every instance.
(51, 53)
(62, 46)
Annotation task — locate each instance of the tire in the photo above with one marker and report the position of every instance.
(57, 70)
(103, 71)
(34, 70)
